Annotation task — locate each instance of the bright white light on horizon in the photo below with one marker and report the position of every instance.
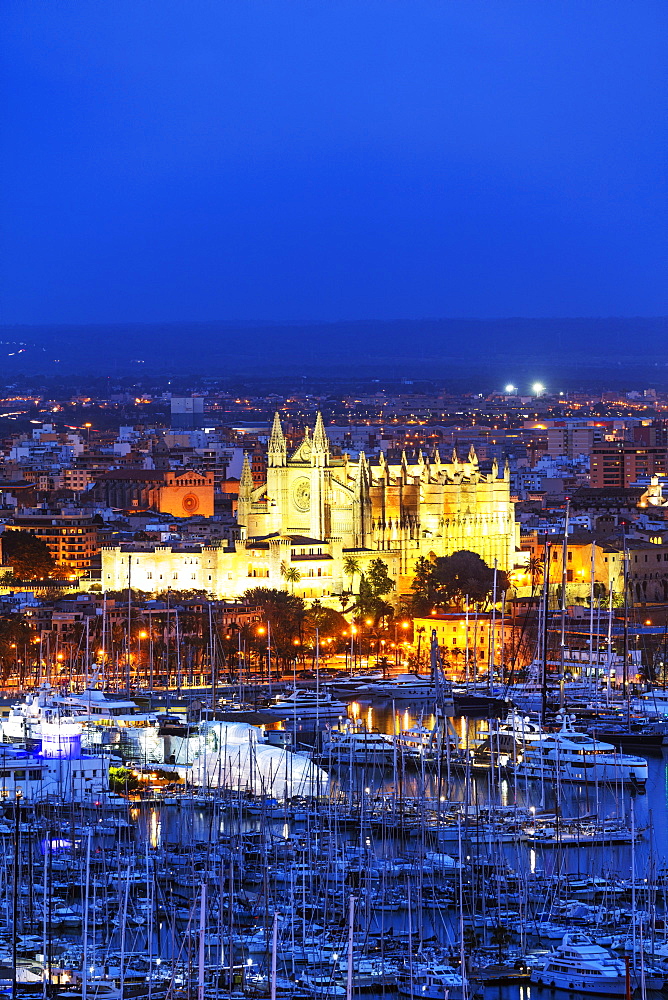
(538, 388)
(510, 388)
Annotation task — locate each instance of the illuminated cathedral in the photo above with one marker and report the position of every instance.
(429, 507)
(316, 511)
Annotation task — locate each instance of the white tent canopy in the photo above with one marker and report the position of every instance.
(230, 755)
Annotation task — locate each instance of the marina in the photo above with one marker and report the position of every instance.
(410, 848)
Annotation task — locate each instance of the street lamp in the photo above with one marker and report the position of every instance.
(262, 631)
(140, 635)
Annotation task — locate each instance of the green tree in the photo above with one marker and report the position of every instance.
(27, 555)
(285, 614)
(15, 635)
(465, 575)
(535, 572)
(450, 580)
(378, 578)
(329, 622)
(123, 781)
(423, 587)
(370, 603)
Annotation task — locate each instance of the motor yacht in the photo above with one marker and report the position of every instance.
(348, 742)
(434, 982)
(306, 704)
(103, 719)
(413, 687)
(577, 757)
(580, 965)
(562, 756)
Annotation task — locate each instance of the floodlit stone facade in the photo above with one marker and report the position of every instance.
(316, 509)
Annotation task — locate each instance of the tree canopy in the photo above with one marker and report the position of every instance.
(285, 614)
(328, 621)
(451, 580)
(375, 584)
(27, 555)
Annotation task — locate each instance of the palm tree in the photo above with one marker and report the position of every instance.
(535, 572)
(350, 567)
(291, 575)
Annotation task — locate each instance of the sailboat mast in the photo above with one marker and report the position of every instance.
(626, 621)
(202, 942)
(84, 971)
(351, 924)
(546, 590)
(564, 581)
(592, 568)
(492, 635)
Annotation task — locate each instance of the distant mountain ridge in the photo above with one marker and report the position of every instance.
(446, 348)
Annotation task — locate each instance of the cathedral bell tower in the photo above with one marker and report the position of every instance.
(277, 475)
(246, 487)
(320, 484)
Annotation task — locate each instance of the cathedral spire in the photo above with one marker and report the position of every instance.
(473, 458)
(320, 439)
(246, 484)
(362, 478)
(277, 452)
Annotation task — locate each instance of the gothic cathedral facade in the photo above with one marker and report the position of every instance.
(427, 508)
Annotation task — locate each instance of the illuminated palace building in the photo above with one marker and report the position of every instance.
(317, 509)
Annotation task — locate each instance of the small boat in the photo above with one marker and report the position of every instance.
(646, 737)
(478, 703)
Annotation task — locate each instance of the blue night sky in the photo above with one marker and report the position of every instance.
(323, 159)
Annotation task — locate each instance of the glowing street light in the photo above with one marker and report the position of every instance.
(510, 388)
(538, 388)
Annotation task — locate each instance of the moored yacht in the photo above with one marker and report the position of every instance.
(564, 756)
(348, 742)
(412, 687)
(433, 982)
(580, 965)
(91, 706)
(577, 757)
(306, 704)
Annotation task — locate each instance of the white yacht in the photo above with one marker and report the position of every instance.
(306, 704)
(421, 741)
(561, 756)
(652, 704)
(580, 965)
(408, 687)
(349, 742)
(433, 982)
(98, 714)
(571, 756)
